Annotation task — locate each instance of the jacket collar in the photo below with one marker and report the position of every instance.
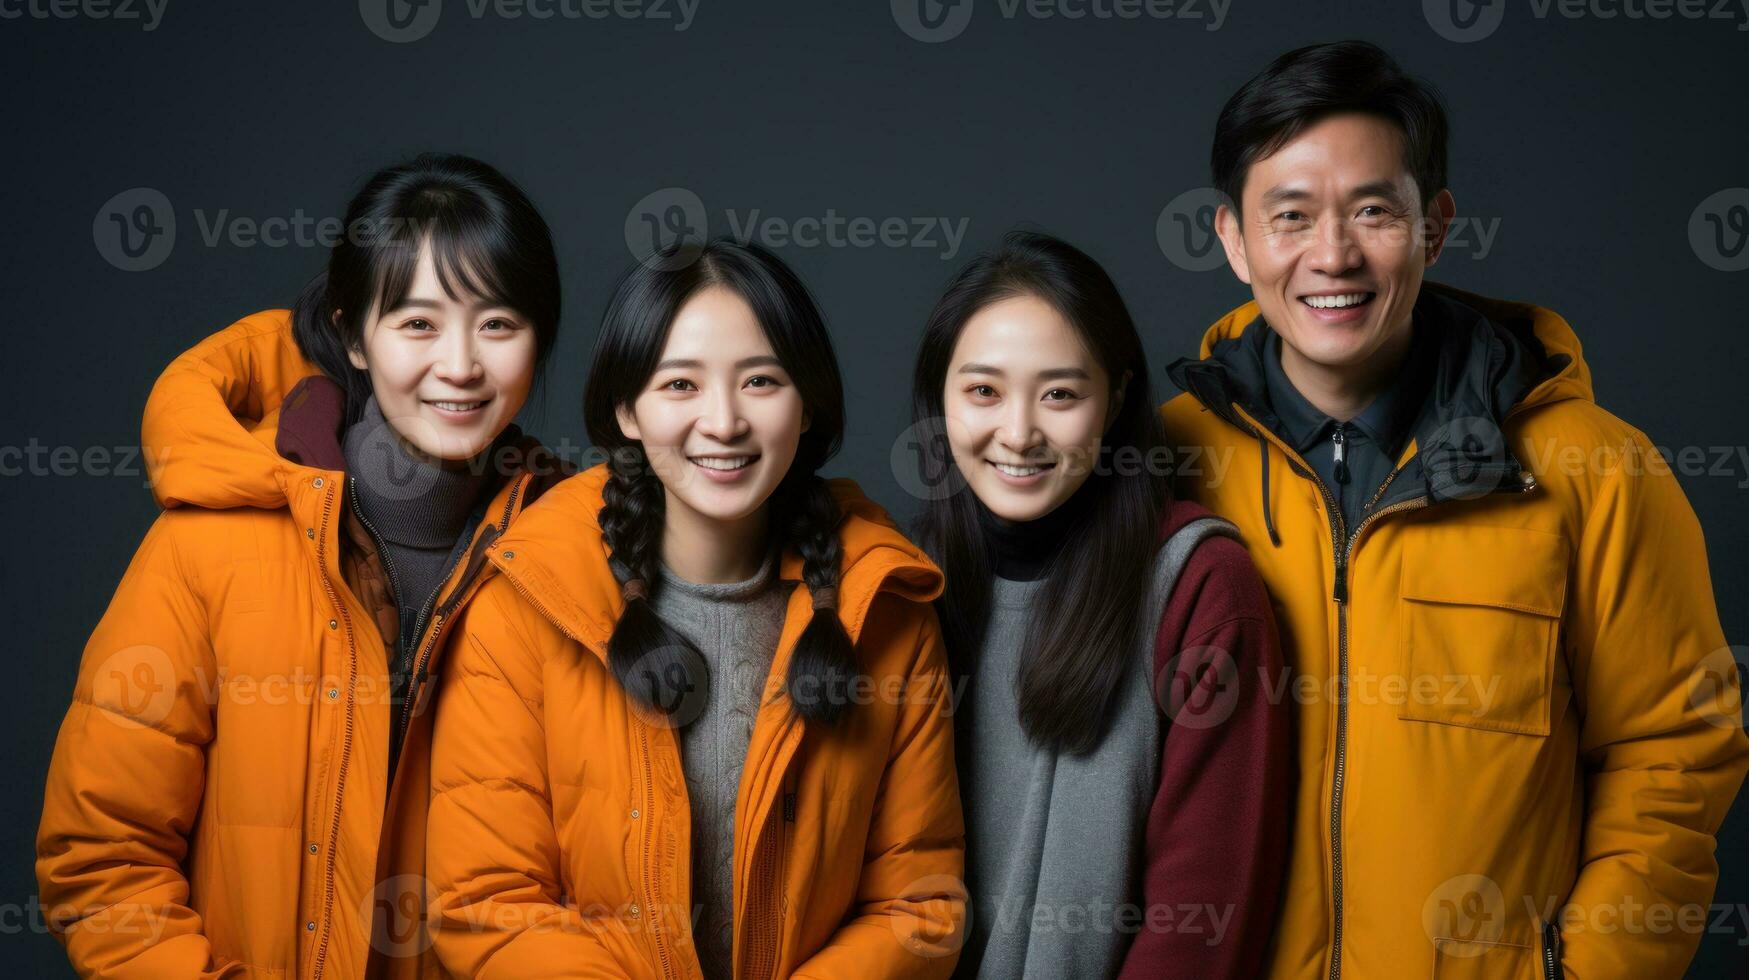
(556, 556)
(1485, 367)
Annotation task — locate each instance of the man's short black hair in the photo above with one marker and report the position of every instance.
(1309, 84)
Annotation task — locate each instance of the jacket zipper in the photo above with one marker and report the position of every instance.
(649, 876)
(762, 940)
(649, 818)
(321, 956)
(423, 659)
(1339, 594)
(388, 560)
(1551, 951)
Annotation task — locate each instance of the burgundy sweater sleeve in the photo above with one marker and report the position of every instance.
(1217, 836)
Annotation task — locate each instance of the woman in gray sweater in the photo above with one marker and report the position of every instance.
(1125, 776)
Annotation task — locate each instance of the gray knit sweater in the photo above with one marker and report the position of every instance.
(735, 625)
(1053, 841)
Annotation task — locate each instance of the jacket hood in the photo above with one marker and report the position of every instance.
(1523, 322)
(556, 555)
(1496, 358)
(206, 457)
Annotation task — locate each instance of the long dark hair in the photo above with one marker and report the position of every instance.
(1083, 632)
(633, 333)
(486, 238)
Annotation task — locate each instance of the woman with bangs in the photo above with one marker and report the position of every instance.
(239, 786)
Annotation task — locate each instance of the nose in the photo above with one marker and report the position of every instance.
(458, 359)
(722, 418)
(1017, 432)
(1336, 252)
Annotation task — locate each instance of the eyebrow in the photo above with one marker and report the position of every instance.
(758, 360)
(1049, 374)
(1377, 188)
(414, 302)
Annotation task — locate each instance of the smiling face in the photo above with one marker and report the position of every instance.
(720, 419)
(449, 372)
(1026, 407)
(1334, 241)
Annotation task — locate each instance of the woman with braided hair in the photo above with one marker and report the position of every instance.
(698, 721)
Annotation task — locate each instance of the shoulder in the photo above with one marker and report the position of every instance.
(1219, 582)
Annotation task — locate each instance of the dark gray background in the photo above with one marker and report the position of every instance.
(1586, 144)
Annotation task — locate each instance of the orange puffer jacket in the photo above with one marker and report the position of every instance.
(218, 802)
(559, 824)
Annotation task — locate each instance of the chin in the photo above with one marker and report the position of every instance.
(726, 506)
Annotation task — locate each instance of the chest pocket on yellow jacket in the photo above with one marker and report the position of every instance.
(1480, 625)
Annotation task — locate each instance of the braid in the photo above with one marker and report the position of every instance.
(824, 660)
(653, 662)
(631, 515)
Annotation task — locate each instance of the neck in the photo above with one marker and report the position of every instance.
(1344, 391)
(407, 497)
(1023, 550)
(709, 551)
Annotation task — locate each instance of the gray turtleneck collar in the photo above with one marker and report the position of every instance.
(408, 500)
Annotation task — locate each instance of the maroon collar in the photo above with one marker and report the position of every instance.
(311, 421)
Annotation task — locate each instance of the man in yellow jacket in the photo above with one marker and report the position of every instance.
(1520, 724)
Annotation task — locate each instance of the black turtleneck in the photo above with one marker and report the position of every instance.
(1022, 551)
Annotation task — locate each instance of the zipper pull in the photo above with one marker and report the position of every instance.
(789, 807)
(1341, 455)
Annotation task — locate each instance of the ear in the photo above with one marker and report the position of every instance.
(1437, 223)
(1233, 240)
(1116, 406)
(628, 423)
(355, 353)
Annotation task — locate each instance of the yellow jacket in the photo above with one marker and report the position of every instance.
(1520, 726)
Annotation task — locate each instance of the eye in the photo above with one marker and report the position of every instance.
(1060, 395)
(762, 381)
(981, 391)
(1290, 216)
(498, 325)
(679, 384)
(419, 323)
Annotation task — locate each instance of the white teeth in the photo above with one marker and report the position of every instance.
(458, 406)
(1019, 470)
(733, 463)
(1335, 302)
